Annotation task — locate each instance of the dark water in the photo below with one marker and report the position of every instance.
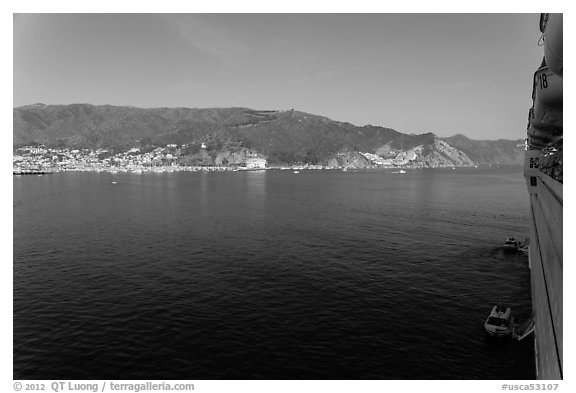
(268, 275)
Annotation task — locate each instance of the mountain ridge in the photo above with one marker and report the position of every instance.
(282, 136)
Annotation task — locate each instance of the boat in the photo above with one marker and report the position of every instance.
(511, 244)
(543, 171)
(500, 322)
(401, 171)
(546, 112)
(296, 171)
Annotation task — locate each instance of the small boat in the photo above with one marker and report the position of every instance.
(511, 244)
(296, 171)
(401, 171)
(500, 322)
(114, 182)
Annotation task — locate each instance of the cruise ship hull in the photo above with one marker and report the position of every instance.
(546, 256)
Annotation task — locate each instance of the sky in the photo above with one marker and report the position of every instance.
(416, 73)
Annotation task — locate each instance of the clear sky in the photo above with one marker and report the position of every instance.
(416, 73)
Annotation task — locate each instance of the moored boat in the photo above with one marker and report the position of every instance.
(499, 323)
(511, 244)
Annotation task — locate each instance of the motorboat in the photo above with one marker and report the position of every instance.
(511, 244)
(500, 322)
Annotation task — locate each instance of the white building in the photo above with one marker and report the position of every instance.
(255, 162)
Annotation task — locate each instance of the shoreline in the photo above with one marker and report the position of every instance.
(173, 169)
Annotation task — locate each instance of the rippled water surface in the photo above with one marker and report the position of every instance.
(268, 275)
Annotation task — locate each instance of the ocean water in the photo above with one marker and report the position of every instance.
(269, 275)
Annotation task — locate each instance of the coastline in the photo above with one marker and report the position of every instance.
(173, 169)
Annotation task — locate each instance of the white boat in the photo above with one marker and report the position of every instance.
(511, 244)
(499, 323)
(401, 171)
(296, 171)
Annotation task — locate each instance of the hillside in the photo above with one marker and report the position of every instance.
(499, 152)
(232, 133)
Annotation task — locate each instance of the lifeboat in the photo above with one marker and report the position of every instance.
(551, 27)
(545, 117)
(547, 88)
(548, 101)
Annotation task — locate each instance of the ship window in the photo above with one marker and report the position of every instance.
(533, 181)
